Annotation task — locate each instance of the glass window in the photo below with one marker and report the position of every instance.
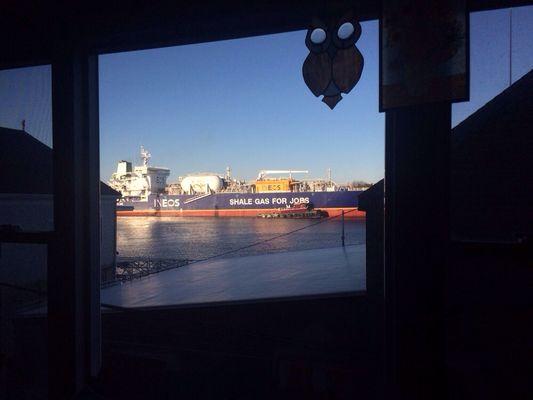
(234, 177)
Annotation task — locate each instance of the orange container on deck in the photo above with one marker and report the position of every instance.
(273, 185)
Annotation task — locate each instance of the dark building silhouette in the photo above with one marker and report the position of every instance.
(492, 160)
(26, 200)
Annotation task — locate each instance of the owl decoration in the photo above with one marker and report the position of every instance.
(334, 64)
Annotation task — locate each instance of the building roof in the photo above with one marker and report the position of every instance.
(491, 194)
(27, 165)
(372, 197)
(491, 166)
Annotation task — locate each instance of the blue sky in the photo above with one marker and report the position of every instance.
(243, 103)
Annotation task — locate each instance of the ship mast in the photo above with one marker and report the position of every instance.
(145, 156)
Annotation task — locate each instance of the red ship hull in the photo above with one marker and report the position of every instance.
(350, 212)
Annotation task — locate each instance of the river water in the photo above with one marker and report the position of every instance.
(197, 238)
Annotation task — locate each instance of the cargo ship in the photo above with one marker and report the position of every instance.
(145, 192)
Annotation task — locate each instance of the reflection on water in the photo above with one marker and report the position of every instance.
(198, 238)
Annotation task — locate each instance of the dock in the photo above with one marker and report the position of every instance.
(277, 275)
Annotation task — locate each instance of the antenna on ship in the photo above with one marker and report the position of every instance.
(23, 125)
(145, 156)
(329, 175)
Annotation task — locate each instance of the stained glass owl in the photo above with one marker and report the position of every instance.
(334, 64)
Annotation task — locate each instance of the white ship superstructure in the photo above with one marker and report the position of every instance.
(141, 181)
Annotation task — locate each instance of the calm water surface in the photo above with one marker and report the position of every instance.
(198, 238)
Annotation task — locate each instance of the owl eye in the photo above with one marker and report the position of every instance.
(345, 30)
(318, 36)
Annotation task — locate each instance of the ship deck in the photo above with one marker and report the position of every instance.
(315, 272)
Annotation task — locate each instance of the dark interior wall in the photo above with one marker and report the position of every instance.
(284, 348)
(488, 321)
(122, 26)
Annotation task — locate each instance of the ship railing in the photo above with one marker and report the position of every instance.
(196, 198)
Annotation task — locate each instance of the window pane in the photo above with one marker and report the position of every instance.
(227, 162)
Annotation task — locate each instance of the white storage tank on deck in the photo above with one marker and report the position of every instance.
(205, 183)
